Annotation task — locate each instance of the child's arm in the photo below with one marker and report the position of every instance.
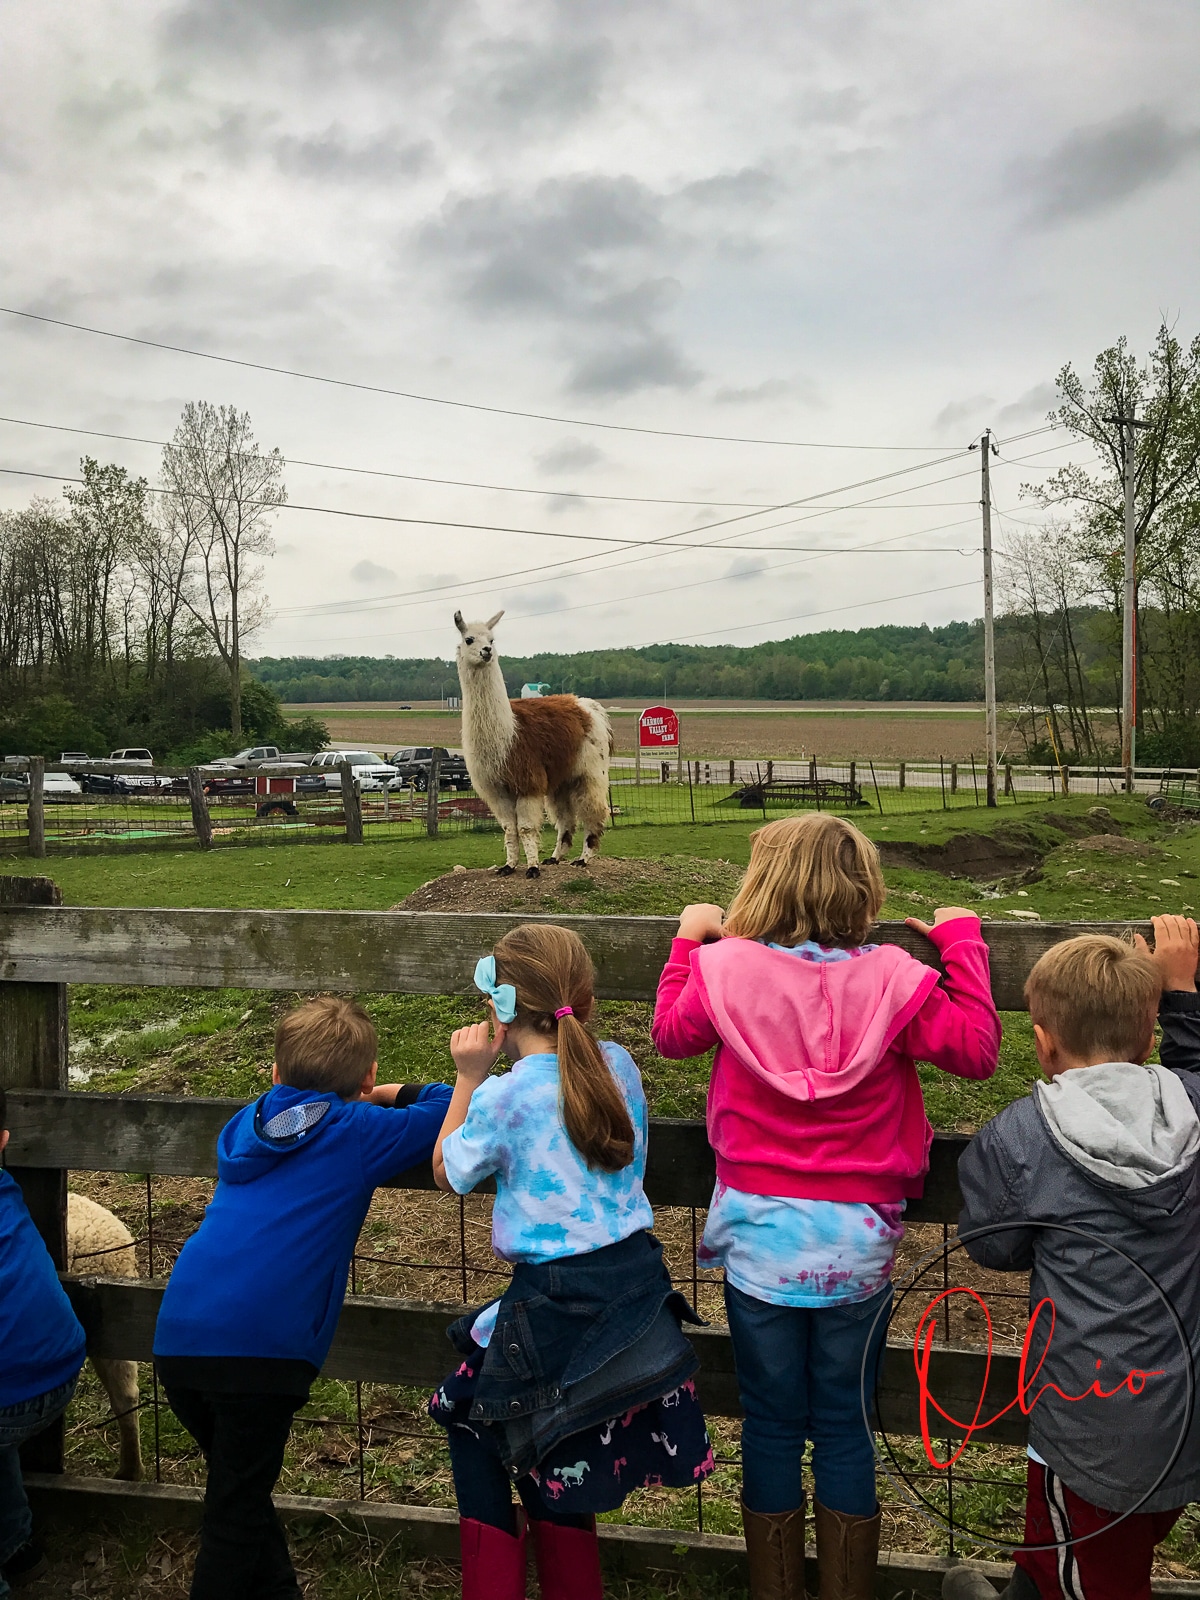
(990, 1187)
(1176, 948)
(958, 1026)
(475, 1053)
(681, 1026)
(406, 1137)
(396, 1094)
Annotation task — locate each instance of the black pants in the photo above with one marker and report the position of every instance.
(483, 1488)
(243, 1551)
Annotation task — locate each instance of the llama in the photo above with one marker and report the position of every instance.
(98, 1242)
(527, 757)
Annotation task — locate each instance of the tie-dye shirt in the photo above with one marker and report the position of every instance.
(549, 1204)
(792, 1252)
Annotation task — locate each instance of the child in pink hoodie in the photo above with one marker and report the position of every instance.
(819, 1128)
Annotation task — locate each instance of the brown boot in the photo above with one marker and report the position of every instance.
(847, 1554)
(775, 1551)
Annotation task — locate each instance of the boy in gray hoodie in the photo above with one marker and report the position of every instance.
(1094, 1181)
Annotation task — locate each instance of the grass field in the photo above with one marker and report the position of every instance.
(220, 1043)
(712, 729)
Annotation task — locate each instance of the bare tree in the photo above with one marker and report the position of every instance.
(225, 492)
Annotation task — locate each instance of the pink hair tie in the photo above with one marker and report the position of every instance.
(563, 1011)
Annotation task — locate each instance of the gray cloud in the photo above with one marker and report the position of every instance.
(769, 389)
(652, 362)
(752, 186)
(332, 155)
(370, 572)
(570, 455)
(525, 83)
(369, 36)
(1030, 406)
(835, 107)
(1096, 167)
(746, 567)
(958, 413)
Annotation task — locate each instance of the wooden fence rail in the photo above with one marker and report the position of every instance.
(44, 946)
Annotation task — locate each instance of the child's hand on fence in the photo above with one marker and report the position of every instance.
(700, 923)
(1176, 949)
(942, 914)
(476, 1050)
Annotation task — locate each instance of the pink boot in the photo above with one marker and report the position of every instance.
(493, 1562)
(568, 1561)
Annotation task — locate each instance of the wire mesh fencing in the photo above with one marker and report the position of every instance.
(51, 809)
(375, 1441)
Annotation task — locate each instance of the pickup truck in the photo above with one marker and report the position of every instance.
(413, 766)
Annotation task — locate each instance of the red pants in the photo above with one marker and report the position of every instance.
(1113, 1565)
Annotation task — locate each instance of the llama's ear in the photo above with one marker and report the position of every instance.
(459, 623)
(492, 621)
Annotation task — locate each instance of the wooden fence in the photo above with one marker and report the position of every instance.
(45, 946)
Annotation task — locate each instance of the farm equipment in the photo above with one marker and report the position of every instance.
(824, 793)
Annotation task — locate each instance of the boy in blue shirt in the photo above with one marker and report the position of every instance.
(41, 1352)
(253, 1302)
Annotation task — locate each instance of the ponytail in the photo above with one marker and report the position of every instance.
(552, 974)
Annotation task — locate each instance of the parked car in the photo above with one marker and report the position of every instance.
(372, 771)
(286, 759)
(13, 786)
(413, 765)
(58, 786)
(253, 756)
(143, 758)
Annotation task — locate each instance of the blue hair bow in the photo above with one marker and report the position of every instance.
(502, 995)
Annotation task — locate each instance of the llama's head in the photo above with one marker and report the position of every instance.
(476, 649)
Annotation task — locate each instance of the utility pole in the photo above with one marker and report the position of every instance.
(986, 450)
(1127, 424)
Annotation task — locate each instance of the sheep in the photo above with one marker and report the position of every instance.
(527, 757)
(98, 1242)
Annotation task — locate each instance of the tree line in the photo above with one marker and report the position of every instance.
(124, 608)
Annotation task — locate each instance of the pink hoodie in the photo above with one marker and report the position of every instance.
(814, 1093)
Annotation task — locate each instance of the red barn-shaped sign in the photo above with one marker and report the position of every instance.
(658, 727)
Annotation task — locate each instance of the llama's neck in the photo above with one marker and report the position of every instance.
(488, 724)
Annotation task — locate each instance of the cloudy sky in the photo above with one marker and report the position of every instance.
(780, 227)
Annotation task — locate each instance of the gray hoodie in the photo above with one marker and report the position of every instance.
(1112, 1151)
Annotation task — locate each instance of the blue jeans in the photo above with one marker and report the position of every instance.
(483, 1488)
(799, 1370)
(18, 1423)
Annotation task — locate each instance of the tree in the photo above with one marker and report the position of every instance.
(1165, 396)
(225, 491)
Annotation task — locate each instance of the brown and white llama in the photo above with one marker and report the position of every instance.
(530, 757)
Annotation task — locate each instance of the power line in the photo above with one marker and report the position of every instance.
(439, 400)
(769, 622)
(413, 477)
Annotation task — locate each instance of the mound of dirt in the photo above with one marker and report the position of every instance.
(1113, 845)
(968, 855)
(582, 889)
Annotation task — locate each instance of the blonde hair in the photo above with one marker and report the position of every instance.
(1097, 995)
(549, 968)
(329, 1044)
(813, 877)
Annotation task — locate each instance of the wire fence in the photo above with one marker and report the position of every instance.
(374, 1442)
(49, 809)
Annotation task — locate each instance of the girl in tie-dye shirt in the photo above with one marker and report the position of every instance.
(606, 1397)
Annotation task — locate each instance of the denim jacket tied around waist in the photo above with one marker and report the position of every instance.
(576, 1341)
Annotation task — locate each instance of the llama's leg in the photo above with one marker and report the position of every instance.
(593, 815)
(120, 1380)
(505, 814)
(531, 812)
(562, 814)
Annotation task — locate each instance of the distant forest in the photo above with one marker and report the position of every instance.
(896, 663)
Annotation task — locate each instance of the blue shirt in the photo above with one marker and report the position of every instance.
(549, 1203)
(265, 1273)
(41, 1342)
(793, 1252)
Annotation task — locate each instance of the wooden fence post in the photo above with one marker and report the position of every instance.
(37, 807)
(201, 821)
(433, 794)
(954, 777)
(902, 775)
(853, 784)
(351, 803)
(1008, 783)
(732, 779)
(33, 1055)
